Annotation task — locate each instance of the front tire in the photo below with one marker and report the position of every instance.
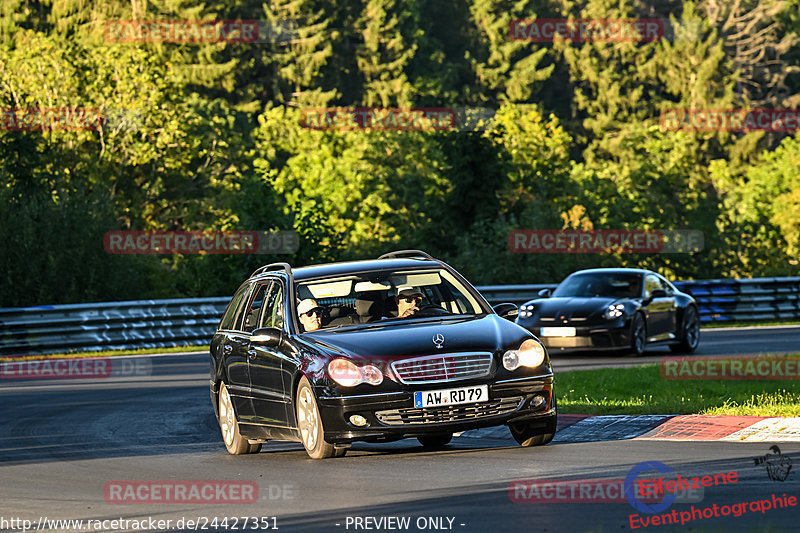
(690, 332)
(309, 423)
(525, 436)
(435, 441)
(638, 336)
(234, 442)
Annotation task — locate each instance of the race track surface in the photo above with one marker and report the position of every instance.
(67, 443)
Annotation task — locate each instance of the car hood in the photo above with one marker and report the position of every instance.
(398, 340)
(572, 307)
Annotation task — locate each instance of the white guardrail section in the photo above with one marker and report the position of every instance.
(192, 321)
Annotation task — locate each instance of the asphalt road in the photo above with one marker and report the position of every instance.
(66, 444)
(714, 341)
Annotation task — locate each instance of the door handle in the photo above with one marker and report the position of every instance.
(227, 349)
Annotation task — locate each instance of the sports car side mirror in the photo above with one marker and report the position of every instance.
(508, 311)
(267, 337)
(545, 293)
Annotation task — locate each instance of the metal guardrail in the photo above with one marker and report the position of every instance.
(192, 321)
(111, 325)
(718, 300)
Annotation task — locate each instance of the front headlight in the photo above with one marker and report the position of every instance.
(347, 374)
(526, 310)
(530, 354)
(614, 311)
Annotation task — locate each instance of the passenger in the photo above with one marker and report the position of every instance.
(310, 314)
(408, 301)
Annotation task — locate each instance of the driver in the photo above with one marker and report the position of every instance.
(310, 314)
(408, 301)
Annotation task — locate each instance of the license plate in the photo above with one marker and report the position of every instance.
(433, 398)
(558, 332)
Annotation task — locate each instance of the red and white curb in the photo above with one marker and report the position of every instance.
(588, 428)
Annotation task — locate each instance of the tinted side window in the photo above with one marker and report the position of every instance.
(229, 316)
(256, 307)
(651, 283)
(667, 286)
(273, 312)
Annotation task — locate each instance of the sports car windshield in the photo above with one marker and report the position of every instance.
(373, 297)
(600, 285)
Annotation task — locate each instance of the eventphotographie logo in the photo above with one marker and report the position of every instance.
(777, 465)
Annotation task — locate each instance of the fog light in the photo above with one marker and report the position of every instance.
(358, 420)
(537, 401)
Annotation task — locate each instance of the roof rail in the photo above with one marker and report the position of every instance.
(416, 254)
(286, 267)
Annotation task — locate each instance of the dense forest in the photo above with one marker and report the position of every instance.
(211, 135)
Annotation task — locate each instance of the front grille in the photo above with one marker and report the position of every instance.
(444, 367)
(449, 413)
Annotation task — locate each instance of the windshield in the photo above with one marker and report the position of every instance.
(600, 285)
(380, 296)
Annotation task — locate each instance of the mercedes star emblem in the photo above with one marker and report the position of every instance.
(438, 340)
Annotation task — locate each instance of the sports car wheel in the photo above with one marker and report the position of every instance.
(690, 332)
(638, 336)
(435, 441)
(309, 424)
(234, 442)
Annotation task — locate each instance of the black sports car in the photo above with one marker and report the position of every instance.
(379, 350)
(612, 309)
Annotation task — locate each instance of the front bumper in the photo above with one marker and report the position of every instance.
(587, 338)
(392, 416)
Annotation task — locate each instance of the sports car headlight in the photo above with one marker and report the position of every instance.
(347, 374)
(526, 310)
(614, 311)
(530, 354)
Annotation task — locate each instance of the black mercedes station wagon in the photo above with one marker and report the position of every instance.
(381, 350)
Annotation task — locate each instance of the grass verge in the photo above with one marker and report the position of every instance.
(105, 353)
(641, 390)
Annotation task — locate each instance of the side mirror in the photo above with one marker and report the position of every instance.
(658, 293)
(508, 311)
(545, 293)
(269, 337)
